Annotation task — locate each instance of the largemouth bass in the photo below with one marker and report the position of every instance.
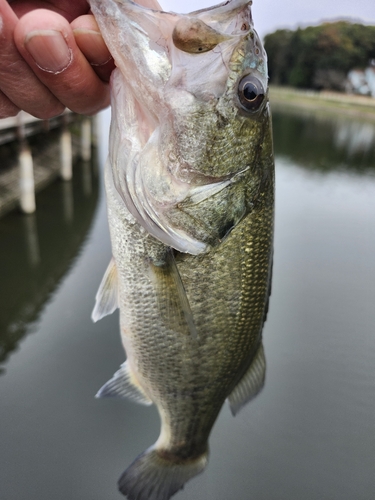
(190, 194)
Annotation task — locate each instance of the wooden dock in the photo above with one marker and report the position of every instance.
(33, 153)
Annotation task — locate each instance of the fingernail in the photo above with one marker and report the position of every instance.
(92, 45)
(49, 50)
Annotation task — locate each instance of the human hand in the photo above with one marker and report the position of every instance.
(52, 56)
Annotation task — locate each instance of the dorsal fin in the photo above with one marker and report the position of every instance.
(123, 384)
(250, 384)
(106, 300)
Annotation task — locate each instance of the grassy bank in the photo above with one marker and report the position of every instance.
(323, 102)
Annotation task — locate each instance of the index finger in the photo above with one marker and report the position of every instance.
(17, 81)
(46, 41)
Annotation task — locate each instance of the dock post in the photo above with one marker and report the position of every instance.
(86, 139)
(66, 154)
(26, 181)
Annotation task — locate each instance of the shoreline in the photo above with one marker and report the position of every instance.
(362, 107)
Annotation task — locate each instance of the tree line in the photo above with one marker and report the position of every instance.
(319, 56)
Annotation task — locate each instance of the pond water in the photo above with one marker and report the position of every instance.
(309, 435)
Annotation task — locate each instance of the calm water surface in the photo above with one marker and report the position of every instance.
(309, 435)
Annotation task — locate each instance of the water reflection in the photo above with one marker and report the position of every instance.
(325, 143)
(68, 202)
(32, 241)
(86, 178)
(36, 251)
(355, 137)
(311, 432)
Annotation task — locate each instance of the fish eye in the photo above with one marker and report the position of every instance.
(251, 93)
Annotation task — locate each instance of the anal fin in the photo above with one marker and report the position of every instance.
(250, 384)
(124, 385)
(106, 300)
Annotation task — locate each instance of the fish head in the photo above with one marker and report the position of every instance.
(190, 117)
(217, 91)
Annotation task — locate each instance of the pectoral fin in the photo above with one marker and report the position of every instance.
(173, 301)
(124, 385)
(181, 292)
(107, 296)
(250, 384)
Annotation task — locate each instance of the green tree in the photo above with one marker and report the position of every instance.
(319, 56)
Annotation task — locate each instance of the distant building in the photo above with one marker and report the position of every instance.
(360, 81)
(370, 78)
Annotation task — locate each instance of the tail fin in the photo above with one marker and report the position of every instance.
(151, 477)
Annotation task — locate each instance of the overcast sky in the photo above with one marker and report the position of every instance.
(270, 15)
